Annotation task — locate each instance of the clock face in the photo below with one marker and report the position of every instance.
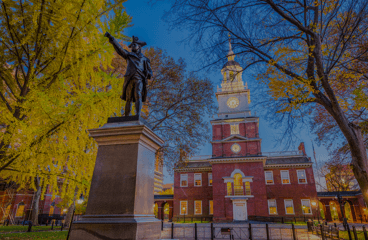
(233, 102)
(235, 148)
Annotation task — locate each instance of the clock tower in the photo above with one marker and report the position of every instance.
(235, 130)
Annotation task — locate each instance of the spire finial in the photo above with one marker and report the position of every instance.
(230, 54)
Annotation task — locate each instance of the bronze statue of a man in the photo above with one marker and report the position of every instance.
(137, 73)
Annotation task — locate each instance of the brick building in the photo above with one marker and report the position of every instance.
(16, 205)
(238, 180)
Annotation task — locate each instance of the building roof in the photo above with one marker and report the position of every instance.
(161, 197)
(194, 164)
(342, 193)
(231, 63)
(272, 161)
(287, 160)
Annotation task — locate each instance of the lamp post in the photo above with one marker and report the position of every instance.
(342, 209)
(304, 212)
(184, 210)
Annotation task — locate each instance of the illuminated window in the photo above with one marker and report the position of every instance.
(183, 180)
(285, 177)
(211, 207)
(183, 207)
(7, 211)
(231, 76)
(302, 178)
(197, 207)
(51, 210)
(20, 210)
(209, 179)
(247, 188)
(238, 184)
(272, 207)
(234, 129)
(197, 179)
(229, 189)
(269, 177)
(289, 206)
(306, 207)
(52, 206)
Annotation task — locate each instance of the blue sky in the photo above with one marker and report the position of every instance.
(149, 26)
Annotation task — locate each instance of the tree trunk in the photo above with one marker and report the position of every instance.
(69, 214)
(35, 202)
(359, 162)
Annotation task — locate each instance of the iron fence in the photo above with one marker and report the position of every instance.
(237, 231)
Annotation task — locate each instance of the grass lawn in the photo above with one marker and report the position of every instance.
(344, 235)
(55, 235)
(188, 221)
(20, 228)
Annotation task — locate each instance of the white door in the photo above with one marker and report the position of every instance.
(239, 211)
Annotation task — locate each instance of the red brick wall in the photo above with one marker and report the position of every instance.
(192, 193)
(220, 132)
(251, 129)
(217, 149)
(293, 191)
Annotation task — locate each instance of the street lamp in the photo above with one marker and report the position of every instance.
(342, 210)
(304, 212)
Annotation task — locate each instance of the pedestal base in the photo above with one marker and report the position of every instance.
(108, 228)
(120, 203)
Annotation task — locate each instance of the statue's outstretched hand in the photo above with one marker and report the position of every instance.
(111, 38)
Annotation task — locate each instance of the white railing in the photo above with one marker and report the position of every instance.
(283, 153)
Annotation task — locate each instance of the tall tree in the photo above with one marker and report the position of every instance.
(51, 92)
(298, 48)
(178, 103)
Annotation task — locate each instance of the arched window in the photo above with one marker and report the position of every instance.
(238, 184)
(20, 210)
(247, 188)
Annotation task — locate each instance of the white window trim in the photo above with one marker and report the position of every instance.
(273, 181)
(292, 203)
(268, 201)
(187, 180)
(195, 207)
(310, 206)
(209, 184)
(186, 209)
(282, 182)
(195, 179)
(209, 207)
(305, 174)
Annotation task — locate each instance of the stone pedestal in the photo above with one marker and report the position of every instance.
(120, 203)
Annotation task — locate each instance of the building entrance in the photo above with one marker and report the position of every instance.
(240, 210)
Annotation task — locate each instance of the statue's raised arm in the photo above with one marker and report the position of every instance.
(137, 73)
(118, 48)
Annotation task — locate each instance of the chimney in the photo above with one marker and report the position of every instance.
(301, 148)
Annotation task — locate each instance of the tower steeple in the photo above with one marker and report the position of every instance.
(230, 55)
(233, 97)
(232, 73)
